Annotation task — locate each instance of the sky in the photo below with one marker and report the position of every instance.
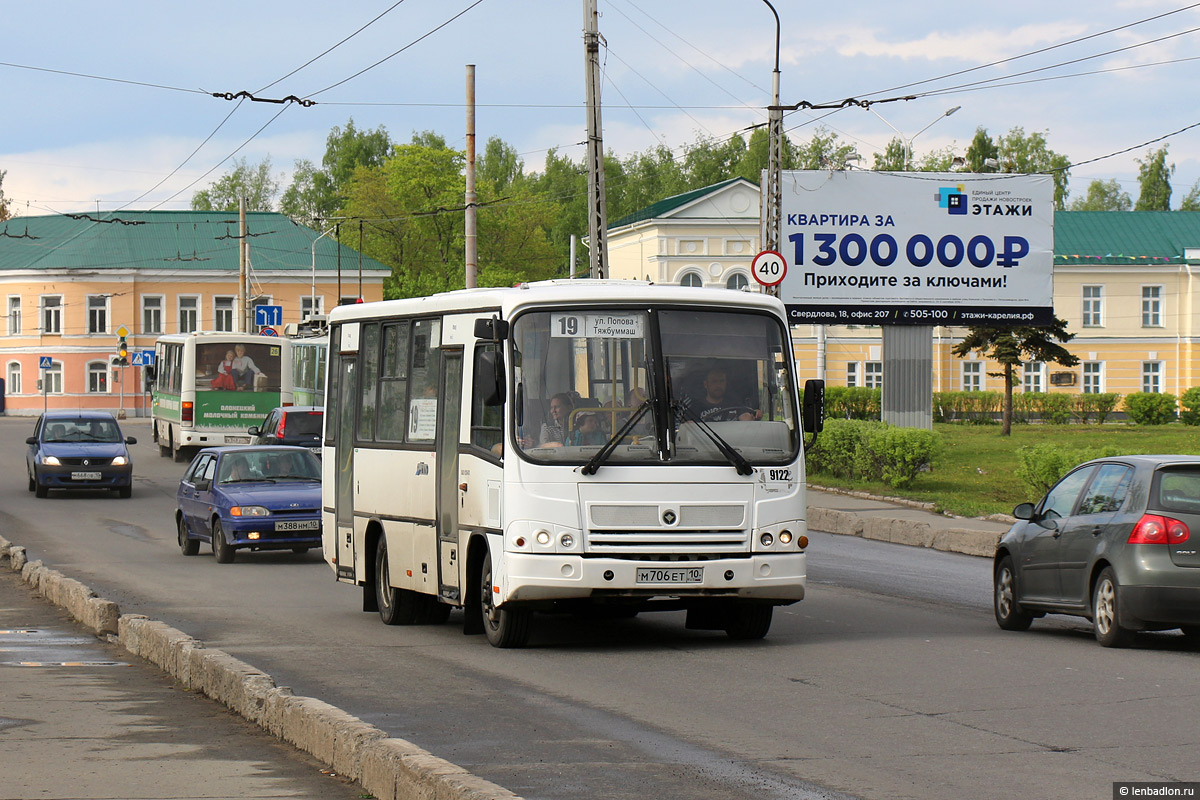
(110, 106)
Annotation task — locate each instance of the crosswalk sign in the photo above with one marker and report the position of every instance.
(139, 358)
(45, 362)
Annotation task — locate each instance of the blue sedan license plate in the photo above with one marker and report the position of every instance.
(85, 476)
(298, 525)
(670, 575)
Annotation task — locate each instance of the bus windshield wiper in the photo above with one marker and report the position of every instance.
(594, 463)
(734, 457)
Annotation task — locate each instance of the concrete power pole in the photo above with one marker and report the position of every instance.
(472, 257)
(597, 215)
(772, 199)
(243, 267)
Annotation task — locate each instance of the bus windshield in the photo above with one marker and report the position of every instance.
(581, 376)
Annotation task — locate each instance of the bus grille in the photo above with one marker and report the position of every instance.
(667, 528)
(666, 541)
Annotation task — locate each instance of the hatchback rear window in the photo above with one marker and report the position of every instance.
(1179, 490)
(303, 423)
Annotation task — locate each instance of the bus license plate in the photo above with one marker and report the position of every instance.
(298, 525)
(670, 575)
(85, 476)
(237, 440)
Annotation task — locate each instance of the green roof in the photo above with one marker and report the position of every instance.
(664, 207)
(175, 240)
(1124, 237)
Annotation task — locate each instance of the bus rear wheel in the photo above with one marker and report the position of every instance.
(505, 627)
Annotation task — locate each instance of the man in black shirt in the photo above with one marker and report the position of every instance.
(717, 405)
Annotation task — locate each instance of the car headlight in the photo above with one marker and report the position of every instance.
(249, 511)
(120, 461)
(51, 461)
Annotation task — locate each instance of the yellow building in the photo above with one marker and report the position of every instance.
(1123, 281)
(69, 283)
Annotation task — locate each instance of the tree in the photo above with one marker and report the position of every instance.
(255, 183)
(1103, 196)
(1154, 177)
(893, 158)
(1191, 200)
(1020, 153)
(320, 193)
(1014, 346)
(4, 211)
(982, 150)
(500, 165)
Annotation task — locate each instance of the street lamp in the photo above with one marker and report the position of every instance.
(908, 140)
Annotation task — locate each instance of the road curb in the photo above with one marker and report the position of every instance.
(387, 768)
(904, 531)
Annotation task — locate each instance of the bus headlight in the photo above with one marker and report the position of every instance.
(767, 539)
(543, 537)
(785, 537)
(567, 541)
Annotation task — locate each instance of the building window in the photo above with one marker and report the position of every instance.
(1034, 378)
(223, 314)
(308, 308)
(1092, 301)
(97, 309)
(14, 314)
(737, 281)
(152, 314)
(52, 314)
(1152, 374)
(1152, 307)
(189, 314)
(691, 279)
(972, 376)
(52, 382)
(14, 378)
(873, 375)
(97, 377)
(852, 373)
(1093, 377)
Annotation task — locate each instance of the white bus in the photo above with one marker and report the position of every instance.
(600, 446)
(208, 388)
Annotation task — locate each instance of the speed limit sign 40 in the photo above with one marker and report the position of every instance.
(768, 268)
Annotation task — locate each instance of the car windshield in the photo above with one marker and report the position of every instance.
(268, 465)
(581, 376)
(81, 430)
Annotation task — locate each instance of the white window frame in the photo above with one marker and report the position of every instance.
(305, 306)
(52, 378)
(873, 374)
(179, 312)
(1093, 306)
(232, 311)
(973, 377)
(1033, 376)
(157, 329)
(852, 373)
(46, 312)
(13, 309)
(743, 279)
(93, 308)
(13, 376)
(98, 368)
(1152, 306)
(1092, 382)
(1153, 376)
(686, 276)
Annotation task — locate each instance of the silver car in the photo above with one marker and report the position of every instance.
(1111, 542)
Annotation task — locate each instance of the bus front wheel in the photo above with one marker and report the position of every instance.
(505, 627)
(396, 606)
(748, 621)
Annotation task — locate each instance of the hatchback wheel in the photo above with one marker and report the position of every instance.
(188, 546)
(1004, 598)
(222, 549)
(1106, 611)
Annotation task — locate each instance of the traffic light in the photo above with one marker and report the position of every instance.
(123, 352)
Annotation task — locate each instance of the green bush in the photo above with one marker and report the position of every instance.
(1083, 406)
(873, 451)
(1043, 465)
(1150, 408)
(1189, 404)
(978, 408)
(853, 402)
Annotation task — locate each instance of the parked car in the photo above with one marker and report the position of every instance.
(295, 425)
(1112, 541)
(76, 450)
(250, 498)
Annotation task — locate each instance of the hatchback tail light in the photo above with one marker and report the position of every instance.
(282, 424)
(185, 412)
(1155, 529)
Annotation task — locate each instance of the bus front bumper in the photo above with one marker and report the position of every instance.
(764, 576)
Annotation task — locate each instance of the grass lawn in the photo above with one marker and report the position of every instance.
(976, 473)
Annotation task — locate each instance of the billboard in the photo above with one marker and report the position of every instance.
(917, 248)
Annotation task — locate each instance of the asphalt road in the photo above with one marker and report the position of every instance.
(891, 680)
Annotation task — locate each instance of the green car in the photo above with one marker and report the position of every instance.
(1111, 542)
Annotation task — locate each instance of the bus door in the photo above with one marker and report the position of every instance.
(344, 476)
(448, 492)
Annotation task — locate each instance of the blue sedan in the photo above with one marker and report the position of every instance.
(250, 498)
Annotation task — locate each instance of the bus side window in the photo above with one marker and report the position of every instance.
(486, 421)
(368, 358)
(393, 382)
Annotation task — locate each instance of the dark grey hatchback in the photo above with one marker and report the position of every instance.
(1112, 541)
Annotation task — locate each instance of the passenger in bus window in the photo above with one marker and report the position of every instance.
(554, 431)
(718, 404)
(244, 369)
(587, 430)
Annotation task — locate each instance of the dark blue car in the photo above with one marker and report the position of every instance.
(250, 498)
(75, 450)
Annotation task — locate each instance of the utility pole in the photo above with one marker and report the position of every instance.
(472, 257)
(772, 198)
(597, 215)
(243, 300)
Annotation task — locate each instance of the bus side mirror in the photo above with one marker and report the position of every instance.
(489, 377)
(492, 330)
(813, 412)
